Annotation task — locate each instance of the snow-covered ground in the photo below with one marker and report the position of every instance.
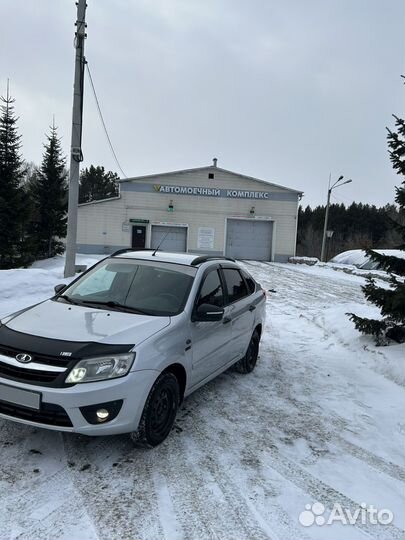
(320, 420)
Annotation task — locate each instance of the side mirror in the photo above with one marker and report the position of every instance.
(59, 288)
(209, 312)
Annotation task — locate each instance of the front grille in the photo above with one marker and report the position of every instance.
(29, 375)
(49, 414)
(58, 361)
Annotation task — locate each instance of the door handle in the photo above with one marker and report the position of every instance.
(226, 320)
(252, 307)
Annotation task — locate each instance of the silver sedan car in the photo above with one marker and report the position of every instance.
(119, 348)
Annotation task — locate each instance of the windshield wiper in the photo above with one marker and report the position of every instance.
(68, 299)
(113, 304)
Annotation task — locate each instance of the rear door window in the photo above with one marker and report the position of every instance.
(250, 282)
(235, 285)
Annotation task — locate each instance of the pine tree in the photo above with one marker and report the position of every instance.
(14, 202)
(96, 184)
(390, 301)
(48, 189)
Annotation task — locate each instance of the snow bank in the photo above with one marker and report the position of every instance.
(363, 271)
(388, 361)
(23, 287)
(358, 257)
(303, 260)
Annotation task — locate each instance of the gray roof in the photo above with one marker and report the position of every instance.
(208, 168)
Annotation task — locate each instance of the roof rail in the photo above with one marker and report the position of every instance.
(205, 258)
(126, 250)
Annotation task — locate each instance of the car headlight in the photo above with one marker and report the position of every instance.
(101, 368)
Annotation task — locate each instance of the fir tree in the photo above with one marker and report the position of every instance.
(48, 189)
(390, 301)
(96, 184)
(14, 202)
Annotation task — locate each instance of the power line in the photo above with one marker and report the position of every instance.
(102, 121)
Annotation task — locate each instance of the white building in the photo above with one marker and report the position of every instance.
(202, 210)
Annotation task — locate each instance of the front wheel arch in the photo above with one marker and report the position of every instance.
(159, 412)
(180, 373)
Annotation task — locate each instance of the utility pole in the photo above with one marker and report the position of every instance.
(76, 155)
(338, 183)
(325, 224)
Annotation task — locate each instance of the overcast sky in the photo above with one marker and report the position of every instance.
(286, 91)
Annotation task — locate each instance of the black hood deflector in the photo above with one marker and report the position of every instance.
(41, 346)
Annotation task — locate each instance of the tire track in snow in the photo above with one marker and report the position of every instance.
(117, 486)
(332, 431)
(168, 521)
(272, 458)
(287, 279)
(274, 521)
(204, 510)
(51, 502)
(379, 464)
(328, 432)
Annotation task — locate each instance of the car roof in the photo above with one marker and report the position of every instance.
(189, 259)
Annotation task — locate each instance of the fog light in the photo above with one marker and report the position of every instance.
(102, 414)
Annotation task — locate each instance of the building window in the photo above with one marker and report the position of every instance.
(211, 176)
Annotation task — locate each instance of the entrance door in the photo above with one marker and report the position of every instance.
(138, 236)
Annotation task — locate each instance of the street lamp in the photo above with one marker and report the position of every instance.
(338, 183)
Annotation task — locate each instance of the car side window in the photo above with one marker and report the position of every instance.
(211, 291)
(235, 285)
(249, 282)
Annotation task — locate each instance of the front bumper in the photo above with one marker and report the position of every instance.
(133, 389)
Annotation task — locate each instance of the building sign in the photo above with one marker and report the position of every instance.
(211, 192)
(139, 220)
(205, 238)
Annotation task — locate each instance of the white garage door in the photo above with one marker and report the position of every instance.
(249, 239)
(172, 238)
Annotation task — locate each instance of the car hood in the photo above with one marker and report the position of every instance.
(58, 320)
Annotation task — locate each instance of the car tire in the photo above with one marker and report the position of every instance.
(159, 412)
(248, 363)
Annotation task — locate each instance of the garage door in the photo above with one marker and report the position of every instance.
(247, 239)
(172, 238)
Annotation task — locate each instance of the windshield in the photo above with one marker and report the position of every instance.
(135, 286)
